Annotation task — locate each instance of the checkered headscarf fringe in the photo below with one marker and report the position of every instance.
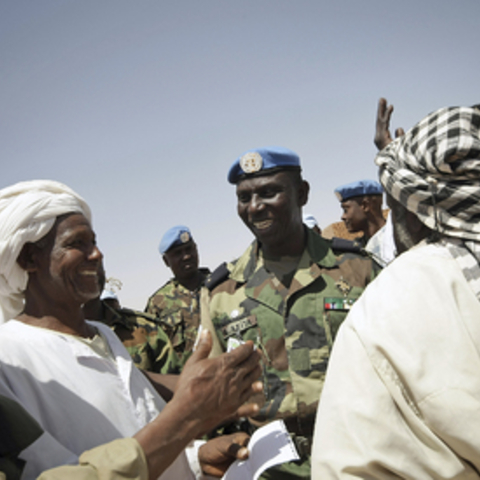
(434, 171)
(467, 255)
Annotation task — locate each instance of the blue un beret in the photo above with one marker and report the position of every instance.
(177, 235)
(260, 160)
(356, 189)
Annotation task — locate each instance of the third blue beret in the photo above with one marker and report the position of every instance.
(177, 235)
(359, 188)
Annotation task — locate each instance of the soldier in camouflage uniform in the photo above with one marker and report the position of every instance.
(143, 337)
(176, 305)
(288, 292)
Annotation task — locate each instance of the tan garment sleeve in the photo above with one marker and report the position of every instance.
(121, 459)
(206, 322)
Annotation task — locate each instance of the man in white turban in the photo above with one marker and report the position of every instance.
(27, 213)
(402, 392)
(74, 377)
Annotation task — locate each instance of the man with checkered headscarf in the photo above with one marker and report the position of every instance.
(402, 394)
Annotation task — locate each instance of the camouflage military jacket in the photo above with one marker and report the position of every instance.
(293, 327)
(178, 310)
(144, 338)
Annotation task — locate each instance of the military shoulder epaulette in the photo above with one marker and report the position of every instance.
(342, 245)
(219, 275)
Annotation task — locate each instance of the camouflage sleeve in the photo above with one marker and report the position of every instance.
(157, 353)
(151, 307)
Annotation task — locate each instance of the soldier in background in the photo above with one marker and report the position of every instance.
(177, 304)
(361, 202)
(142, 336)
(289, 293)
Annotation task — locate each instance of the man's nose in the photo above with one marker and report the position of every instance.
(256, 204)
(95, 254)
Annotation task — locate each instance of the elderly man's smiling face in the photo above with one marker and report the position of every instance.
(68, 266)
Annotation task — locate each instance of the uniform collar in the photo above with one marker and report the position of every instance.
(316, 255)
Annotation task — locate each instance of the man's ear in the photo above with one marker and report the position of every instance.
(27, 257)
(165, 260)
(303, 192)
(366, 204)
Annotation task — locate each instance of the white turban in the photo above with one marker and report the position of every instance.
(27, 213)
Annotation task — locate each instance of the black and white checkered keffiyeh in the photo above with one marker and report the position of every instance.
(434, 171)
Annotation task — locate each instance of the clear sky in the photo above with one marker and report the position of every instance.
(141, 106)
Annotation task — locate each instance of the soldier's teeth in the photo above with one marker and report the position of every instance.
(263, 224)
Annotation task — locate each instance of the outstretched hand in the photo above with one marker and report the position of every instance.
(214, 389)
(382, 131)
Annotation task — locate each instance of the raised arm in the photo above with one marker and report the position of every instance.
(382, 130)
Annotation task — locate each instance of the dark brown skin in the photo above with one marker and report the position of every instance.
(408, 230)
(63, 274)
(64, 271)
(222, 450)
(382, 131)
(208, 391)
(363, 214)
(271, 207)
(183, 261)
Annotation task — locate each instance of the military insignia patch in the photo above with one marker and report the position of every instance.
(338, 303)
(343, 286)
(251, 162)
(184, 237)
(239, 326)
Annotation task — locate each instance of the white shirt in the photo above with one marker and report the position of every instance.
(81, 396)
(382, 244)
(402, 392)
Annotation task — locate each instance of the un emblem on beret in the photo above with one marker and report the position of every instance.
(251, 162)
(184, 237)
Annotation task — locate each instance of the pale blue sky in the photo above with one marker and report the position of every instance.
(141, 106)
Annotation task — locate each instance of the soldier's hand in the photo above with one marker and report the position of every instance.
(218, 454)
(213, 389)
(382, 130)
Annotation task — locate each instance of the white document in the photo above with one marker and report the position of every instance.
(270, 445)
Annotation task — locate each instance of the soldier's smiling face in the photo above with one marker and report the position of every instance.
(353, 214)
(271, 207)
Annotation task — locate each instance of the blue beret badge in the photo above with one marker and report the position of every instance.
(184, 237)
(251, 162)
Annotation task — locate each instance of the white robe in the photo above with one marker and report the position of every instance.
(402, 392)
(81, 398)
